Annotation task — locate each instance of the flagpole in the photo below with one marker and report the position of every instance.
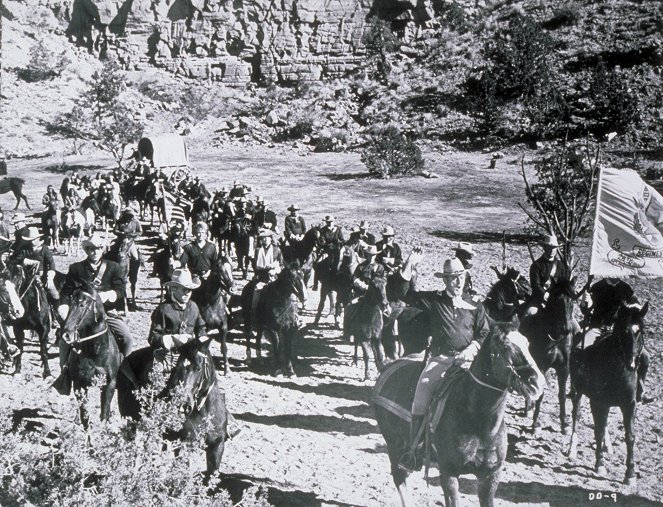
(596, 218)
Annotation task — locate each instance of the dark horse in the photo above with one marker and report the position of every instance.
(504, 298)
(550, 333)
(194, 378)
(15, 186)
(334, 273)
(37, 315)
(470, 436)
(303, 251)
(165, 259)
(241, 237)
(607, 373)
(93, 350)
(276, 316)
(210, 300)
(364, 321)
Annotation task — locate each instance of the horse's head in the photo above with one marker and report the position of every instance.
(86, 314)
(193, 375)
(377, 291)
(10, 302)
(506, 363)
(629, 327)
(522, 288)
(293, 278)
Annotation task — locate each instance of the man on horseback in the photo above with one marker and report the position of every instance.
(366, 271)
(268, 259)
(457, 328)
(36, 255)
(294, 226)
(129, 227)
(199, 255)
(390, 255)
(176, 321)
(331, 240)
(465, 252)
(542, 272)
(4, 231)
(20, 229)
(106, 277)
(605, 299)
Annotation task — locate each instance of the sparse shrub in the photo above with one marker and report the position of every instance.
(110, 464)
(299, 125)
(453, 16)
(389, 153)
(547, 111)
(380, 43)
(566, 15)
(330, 140)
(614, 105)
(163, 92)
(44, 63)
(487, 103)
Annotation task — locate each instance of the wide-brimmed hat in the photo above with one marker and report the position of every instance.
(265, 233)
(96, 242)
(18, 217)
(329, 218)
(129, 210)
(223, 190)
(452, 267)
(31, 234)
(465, 247)
(236, 183)
(294, 207)
(364, 224)
(260, 200)
(549, 240)
(182, 277)
(388, 231)
(371, 249)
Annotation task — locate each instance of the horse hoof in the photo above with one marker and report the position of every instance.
(535, 430)
(46, 374)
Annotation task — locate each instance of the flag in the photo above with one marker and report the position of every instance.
(628, 231)
(175, 207)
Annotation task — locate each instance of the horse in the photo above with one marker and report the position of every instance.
(607, 373)
(121, 251)
(11, 308)
(76, 222)
(241, 238)
(334, 273)
(165, 259)
(550, 333)
(210, 300)
(304, 251)
(504, 298)
(92, 352)
(470, 436)
(37, 315)
(194, 378)
(15, 186)
(276, 315)
(50, 219)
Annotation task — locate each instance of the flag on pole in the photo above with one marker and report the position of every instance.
(628, 230)
(174, 206)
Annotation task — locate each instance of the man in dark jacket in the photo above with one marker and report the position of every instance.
(295, 226)
(390, 255)
(543, 271)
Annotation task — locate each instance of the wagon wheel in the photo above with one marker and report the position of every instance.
(178, 175)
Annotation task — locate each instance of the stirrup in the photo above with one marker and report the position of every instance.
(408, 462)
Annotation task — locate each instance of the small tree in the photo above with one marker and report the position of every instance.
(561, 196)
(43, 64)
(101, 115)
(380, 43)
(614, 106)
(389, 153)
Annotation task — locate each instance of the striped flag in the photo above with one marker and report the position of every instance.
(175, 207)
(628, 231)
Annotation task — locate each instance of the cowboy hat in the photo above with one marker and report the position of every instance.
(259, 199)
(549, 240)
(265, 233)
(364, 224)
(32, 233)
(236, 183)
(18, 217)
(329, 218)
(95, 241)
(371, 249)
(452, 267)
(294, 207)
(182, 277)
(388, 231)
(129, 210)
(464, 247)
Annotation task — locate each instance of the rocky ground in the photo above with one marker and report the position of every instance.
(313, 438)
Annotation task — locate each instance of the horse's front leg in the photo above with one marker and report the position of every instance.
(43, 346)
(321, 305)
(107, 393)
(487, 488)
(573, 443)
(537, 411)
(224, 349)
(450, 488)
(19, 333)
(378, 352)
(628, 411)
(81, 398)
(600, 413)
(366, 349)
(562, 376)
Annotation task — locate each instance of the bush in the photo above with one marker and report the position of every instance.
(330, 140)
(44, 64)
(162, 92)
(614, 106)
(566, 15)
(389, 153)
(110, 464)
(380, 43)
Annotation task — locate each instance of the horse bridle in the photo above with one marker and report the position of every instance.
(199, 402)
(513, 370)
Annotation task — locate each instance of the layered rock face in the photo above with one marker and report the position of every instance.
(237, 41)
